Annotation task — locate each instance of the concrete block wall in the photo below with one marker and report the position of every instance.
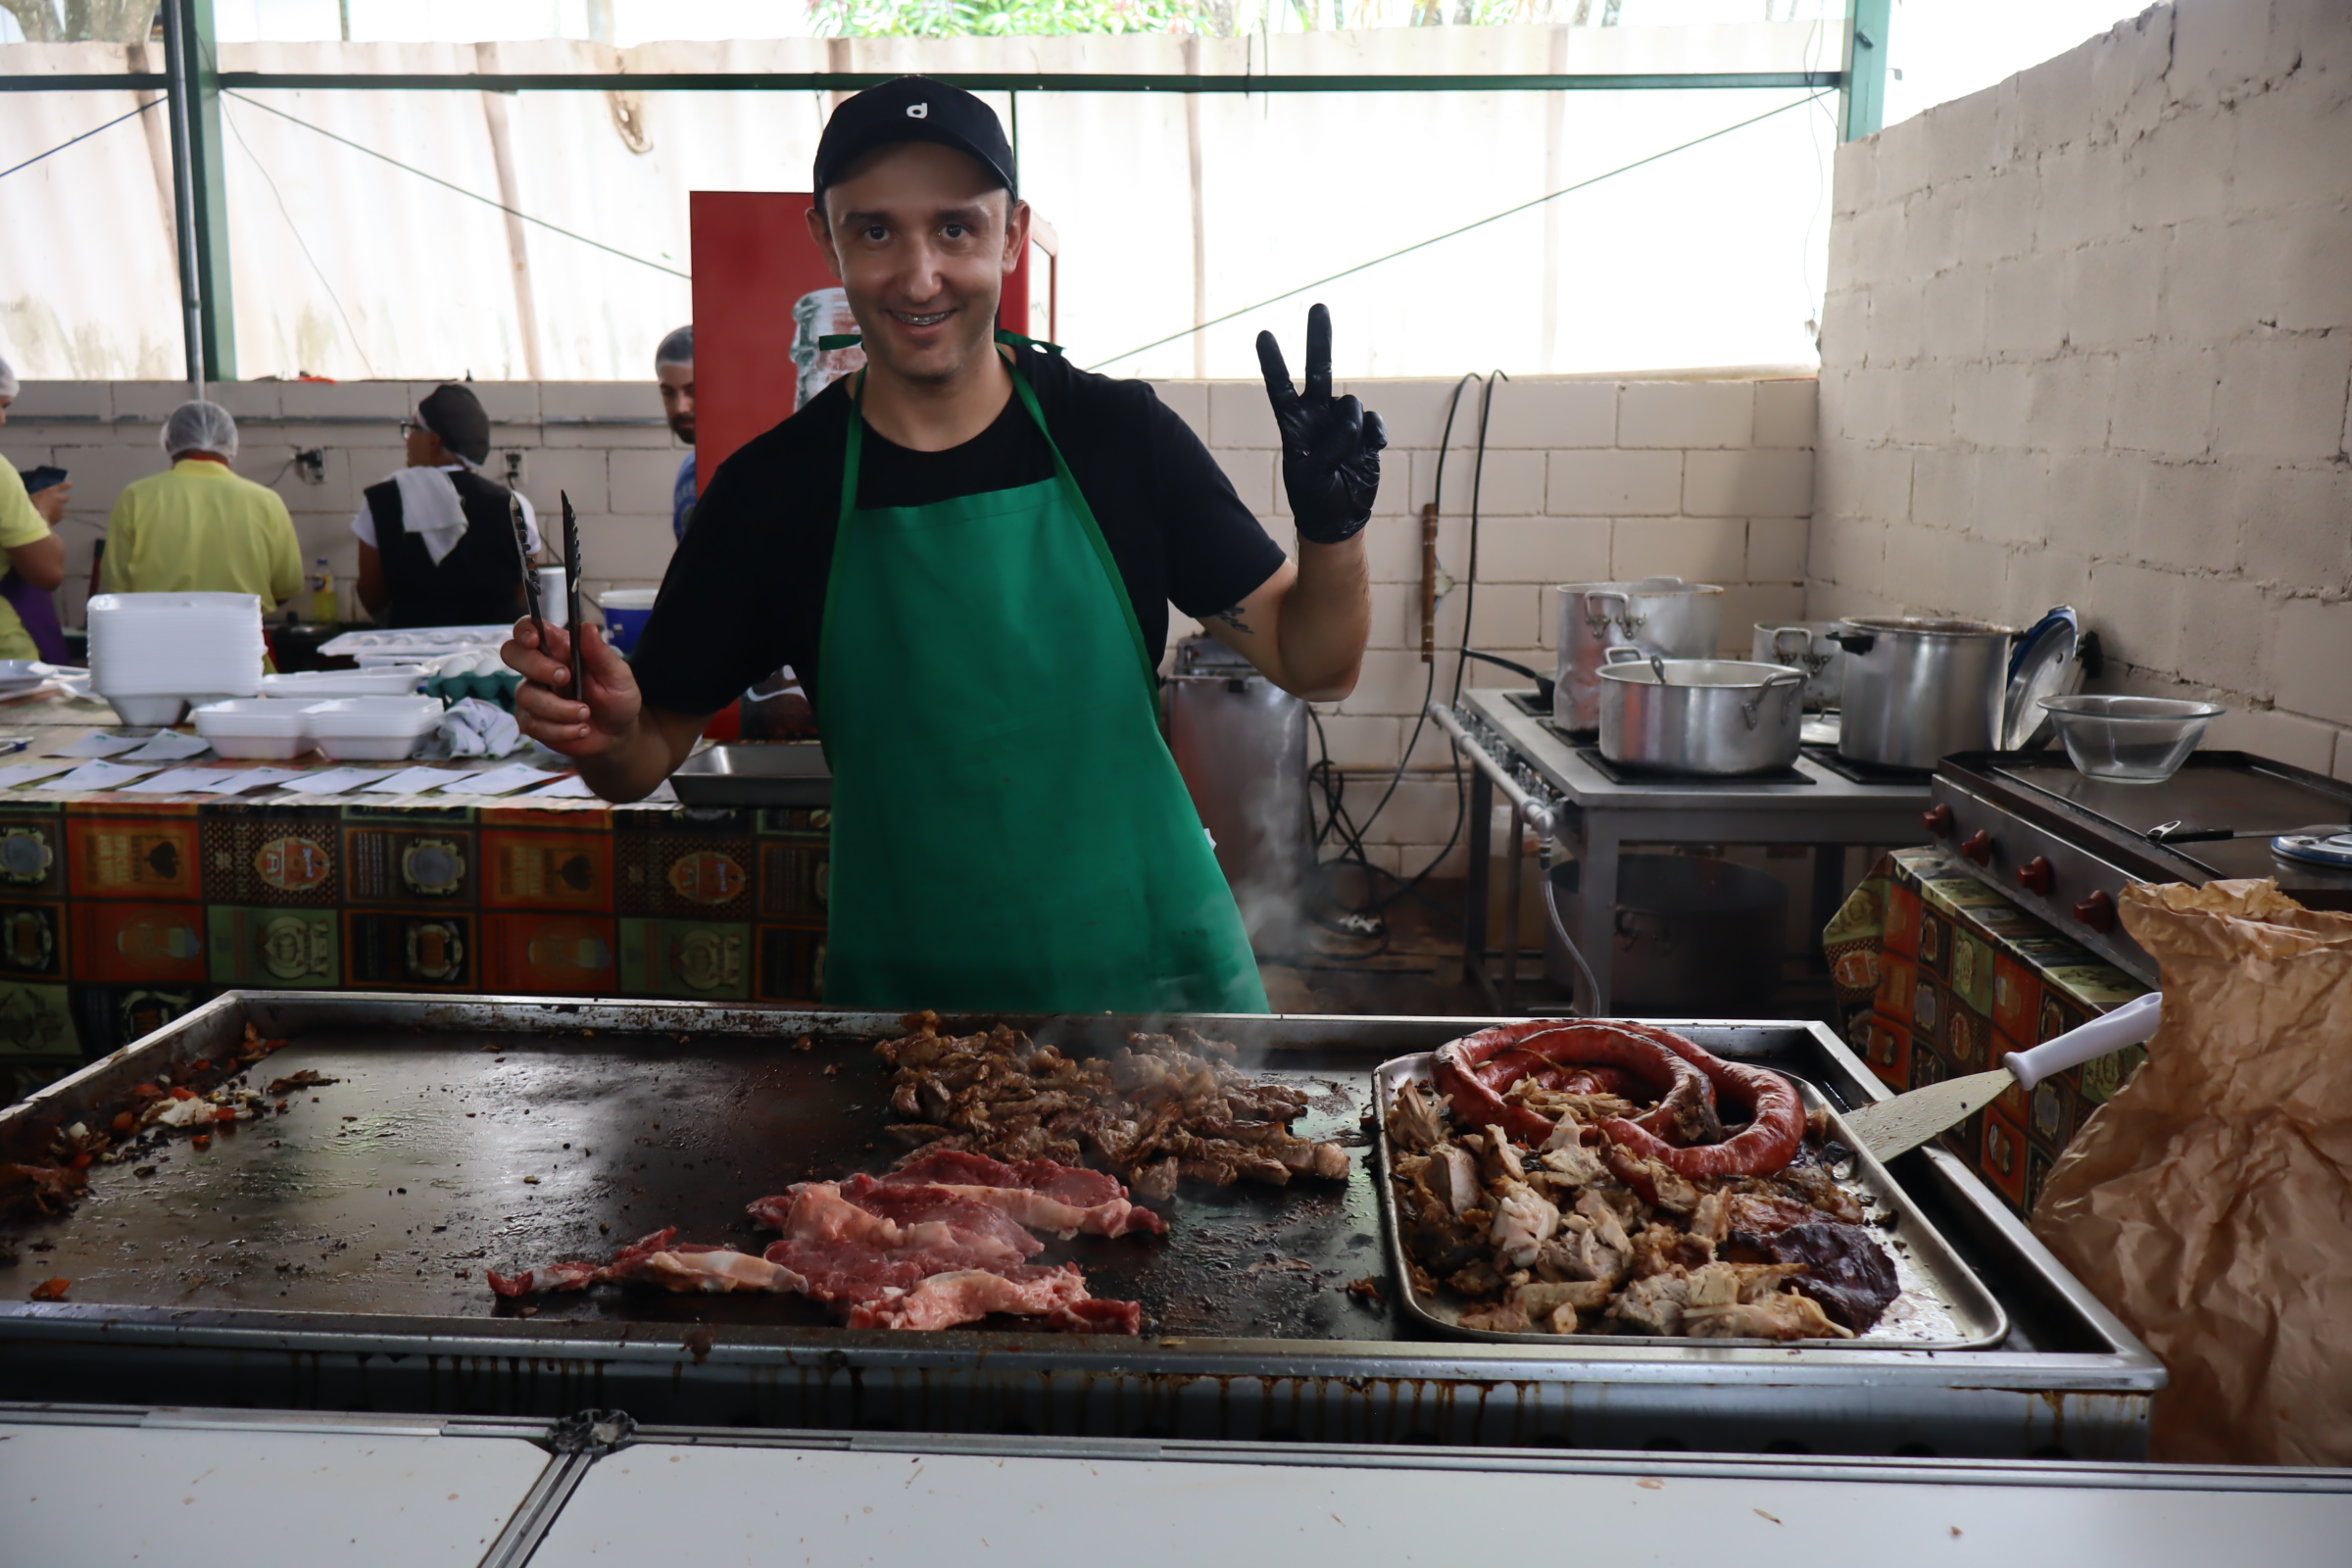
(602, 442)
(1584, 480)
(2088, 340)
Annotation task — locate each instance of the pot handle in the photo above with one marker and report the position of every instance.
(1634, 656)
(1789, 681)
(1854, 642)
(1791, 655)
(1625, 618)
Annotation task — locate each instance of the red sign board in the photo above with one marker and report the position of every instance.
(763, 297)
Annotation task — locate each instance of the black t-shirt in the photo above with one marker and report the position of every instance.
(746, 591)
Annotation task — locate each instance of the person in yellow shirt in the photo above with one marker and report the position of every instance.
(197, 527)
(37, 556)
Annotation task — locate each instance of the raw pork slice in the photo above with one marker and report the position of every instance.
(658, 1258)
(1040, 1193)
(1058, 1295)
(847, 1253)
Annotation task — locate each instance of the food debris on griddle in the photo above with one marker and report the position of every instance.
(1165, 1108)
(308, 1078)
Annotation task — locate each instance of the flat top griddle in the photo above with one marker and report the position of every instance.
(438, 1155)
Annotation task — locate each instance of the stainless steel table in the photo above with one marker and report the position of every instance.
(1564, 797)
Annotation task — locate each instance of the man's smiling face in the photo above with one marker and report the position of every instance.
(922, 238)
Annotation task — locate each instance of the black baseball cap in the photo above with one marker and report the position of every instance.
(912, 109)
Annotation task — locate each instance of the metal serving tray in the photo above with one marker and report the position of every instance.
(1942, 1288)
(680, 1113)
(778, 773)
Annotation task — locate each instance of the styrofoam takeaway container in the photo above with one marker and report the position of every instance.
(372, 729)
(255, 726)
(318, 685)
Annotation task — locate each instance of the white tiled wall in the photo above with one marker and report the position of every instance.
(1583, 480)
(2088, 340)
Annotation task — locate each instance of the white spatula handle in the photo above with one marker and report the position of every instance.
(2127, 1025)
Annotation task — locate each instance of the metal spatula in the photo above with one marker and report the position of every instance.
(1892, 1126)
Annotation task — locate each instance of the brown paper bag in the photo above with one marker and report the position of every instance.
(2209, 1203)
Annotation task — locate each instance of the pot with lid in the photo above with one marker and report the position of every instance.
(1662, 616)
(1916, 690)
(1712, 716)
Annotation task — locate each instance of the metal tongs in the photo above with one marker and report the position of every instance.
(572, 596)
(572, 582)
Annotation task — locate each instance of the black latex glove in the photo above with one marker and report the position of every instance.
(1330, 446)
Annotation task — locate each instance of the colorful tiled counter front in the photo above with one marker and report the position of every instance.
(119, 913)
(1939, 976)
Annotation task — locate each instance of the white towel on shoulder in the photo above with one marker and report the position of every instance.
(430, 510)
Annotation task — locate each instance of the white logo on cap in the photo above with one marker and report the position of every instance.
(918, 111)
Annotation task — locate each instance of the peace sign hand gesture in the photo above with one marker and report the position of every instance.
(1330, 446)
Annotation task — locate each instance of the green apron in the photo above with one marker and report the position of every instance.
(1009, 831)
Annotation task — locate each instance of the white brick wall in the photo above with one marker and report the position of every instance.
(1584, 480)
(2088, 340)
(604, 443)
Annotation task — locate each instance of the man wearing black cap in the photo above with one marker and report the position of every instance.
(967, 551)
(436, 539)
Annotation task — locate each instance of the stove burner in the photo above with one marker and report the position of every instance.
(2315, 848)
(1529, 703)
(1620, 773)
(1574, 737)
(1861, 772)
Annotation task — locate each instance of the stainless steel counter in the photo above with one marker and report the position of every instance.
(1549, 786)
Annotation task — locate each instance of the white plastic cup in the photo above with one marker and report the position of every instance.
(554, 602)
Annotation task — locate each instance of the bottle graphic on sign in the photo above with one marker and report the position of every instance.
(824, 313)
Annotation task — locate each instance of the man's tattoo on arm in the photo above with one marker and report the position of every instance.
(1232, 617)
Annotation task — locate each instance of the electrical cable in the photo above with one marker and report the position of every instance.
(303, 246)
(1334, 785)
(1451, 233)
(85, 136)
(471, 196)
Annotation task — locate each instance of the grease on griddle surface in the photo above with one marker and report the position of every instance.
(437, 1155)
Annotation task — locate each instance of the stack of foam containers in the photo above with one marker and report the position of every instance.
(151, 654)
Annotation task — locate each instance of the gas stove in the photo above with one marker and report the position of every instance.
(2065, 846)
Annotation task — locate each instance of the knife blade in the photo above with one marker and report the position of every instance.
(1894, 1126)
(571, 595)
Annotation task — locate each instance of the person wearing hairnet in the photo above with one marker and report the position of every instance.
(673, 367)
(436, 540)
(37, 556)
(197, 527)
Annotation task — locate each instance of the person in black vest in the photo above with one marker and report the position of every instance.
(436, 541)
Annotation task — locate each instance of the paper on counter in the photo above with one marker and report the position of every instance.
(174, 780)
(169, 746)
(99, 743)
(237, 782)
(571, 788)
(26, 773)
(499, 781)
(99, 776)
(336, 780)
(417, 780)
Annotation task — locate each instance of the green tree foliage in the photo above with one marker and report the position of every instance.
(80, 20)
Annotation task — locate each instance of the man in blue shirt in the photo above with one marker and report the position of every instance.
(673, 367)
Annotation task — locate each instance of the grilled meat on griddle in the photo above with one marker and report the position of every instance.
(1167, 1107)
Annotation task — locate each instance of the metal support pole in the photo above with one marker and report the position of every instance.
(183, 200)
(1862, 89)
(192, 60)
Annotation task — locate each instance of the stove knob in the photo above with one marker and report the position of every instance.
(2098, 912)
(2034, 876)
(1937, 820)
(1978, 847)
